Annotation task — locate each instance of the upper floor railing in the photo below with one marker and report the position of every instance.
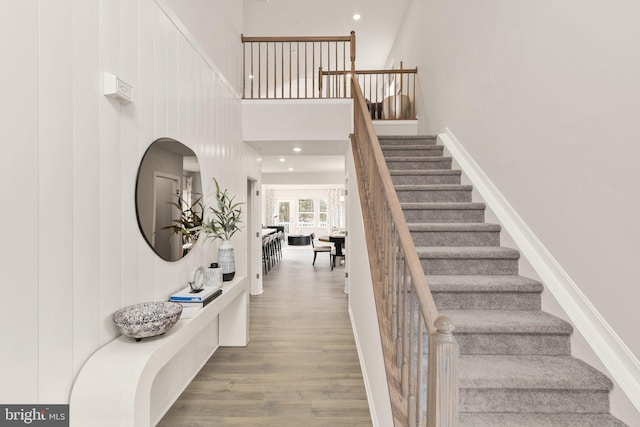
(285, 67)
(320, 67)
(389, 94)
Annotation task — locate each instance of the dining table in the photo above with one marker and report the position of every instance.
(338, 241)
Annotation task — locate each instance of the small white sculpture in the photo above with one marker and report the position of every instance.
(196, 280)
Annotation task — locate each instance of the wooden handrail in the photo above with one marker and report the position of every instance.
(403, 299)
(287, 39)
(397, 216)
(357, 72)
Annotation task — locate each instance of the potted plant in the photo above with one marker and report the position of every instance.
(224, 222)
(186, 225)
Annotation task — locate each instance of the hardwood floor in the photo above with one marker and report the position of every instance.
(301, 366)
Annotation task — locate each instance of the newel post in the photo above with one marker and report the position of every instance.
(442, 391)
(353, 53)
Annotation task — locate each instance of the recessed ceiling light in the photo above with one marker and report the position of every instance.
(251, 76)
(290, 169)
(297, 149)
(282, 159)
(356, 17)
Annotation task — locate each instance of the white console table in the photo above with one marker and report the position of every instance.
(114, 387)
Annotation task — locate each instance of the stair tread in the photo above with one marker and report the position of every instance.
(417, 159)
(407, 137)
(411, 147)
(484, 323)
(433, 187)
(453, 226)
(420, 172)
(506, 322)
(467, 252)
(483, 283)
(530, 372)
(442, 205)
(474, 419)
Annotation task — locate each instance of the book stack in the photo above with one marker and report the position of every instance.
(199, 299)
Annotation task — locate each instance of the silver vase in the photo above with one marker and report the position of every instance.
(226, 260)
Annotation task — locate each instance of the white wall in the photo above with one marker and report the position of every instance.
(70, 160)
(330, 179)
(545, 96)
(297, 120)
(216, 25)
(362, 307)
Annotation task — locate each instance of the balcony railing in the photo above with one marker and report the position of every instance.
(421, 354)
(286, 67)
(389, 94)
(320, 67)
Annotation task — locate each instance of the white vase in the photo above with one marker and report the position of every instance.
(226, 260)
(214, 276)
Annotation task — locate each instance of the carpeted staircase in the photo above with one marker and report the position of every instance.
(516, 367)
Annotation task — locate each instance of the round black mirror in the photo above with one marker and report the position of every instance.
(169, 198)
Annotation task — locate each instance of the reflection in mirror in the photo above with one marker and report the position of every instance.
(168, 198)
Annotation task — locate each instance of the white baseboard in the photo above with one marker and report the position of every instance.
(367, 384)
(622, 364)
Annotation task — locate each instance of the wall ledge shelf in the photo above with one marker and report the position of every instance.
(114, 387)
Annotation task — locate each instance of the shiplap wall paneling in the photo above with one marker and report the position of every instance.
(171, 36)
(55, 202)
(130, 153)
(110, 173)
(76, 157)
(86, 198)
(143, 104)
(18, 272)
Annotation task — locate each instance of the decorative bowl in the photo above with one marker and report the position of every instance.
(147, 319)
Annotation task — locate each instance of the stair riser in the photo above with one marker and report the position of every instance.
(444, 215)
(475, 419)
(407, 141)
(533, 401)
(515, 344)
(425, 179)
(435, 164)
(456, 238)
(433, 151)
(487, 300)
(433, 196)
(469, 266)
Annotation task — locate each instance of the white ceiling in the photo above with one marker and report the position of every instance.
(315, 156)
(303, 164)
(375, 33)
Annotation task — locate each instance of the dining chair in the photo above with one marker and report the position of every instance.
(319, 248)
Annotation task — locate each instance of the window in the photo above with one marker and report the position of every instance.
(306, 213)
(284, 212)
(322, 217)
(283, 215)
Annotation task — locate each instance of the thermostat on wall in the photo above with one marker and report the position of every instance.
(118, 89)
